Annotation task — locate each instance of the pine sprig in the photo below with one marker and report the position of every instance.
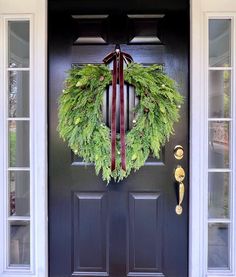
(80, 116)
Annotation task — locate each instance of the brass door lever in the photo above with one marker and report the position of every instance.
(179, 177)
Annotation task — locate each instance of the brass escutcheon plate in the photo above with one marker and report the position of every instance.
(178, 210)
(179, 174)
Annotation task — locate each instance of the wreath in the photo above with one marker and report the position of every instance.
(81, 121)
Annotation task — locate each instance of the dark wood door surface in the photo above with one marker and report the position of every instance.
(128, 228)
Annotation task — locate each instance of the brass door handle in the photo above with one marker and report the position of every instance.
(179, 208)
(179, 177)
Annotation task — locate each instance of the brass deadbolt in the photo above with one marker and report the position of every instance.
(179, 152)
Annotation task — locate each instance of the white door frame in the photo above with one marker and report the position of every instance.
(36, 12)
(197, 223)
(196, 211)
(201, 10)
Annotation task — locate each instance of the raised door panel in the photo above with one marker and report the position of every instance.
(90, 234)
(145, 234)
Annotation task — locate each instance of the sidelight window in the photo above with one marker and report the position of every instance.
(18, 211)
(220, 144)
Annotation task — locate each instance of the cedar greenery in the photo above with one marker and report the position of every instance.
(81, 121)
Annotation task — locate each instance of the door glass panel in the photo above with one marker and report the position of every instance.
(219, 42)
(218, 144)
(219, 93)
(18, 94)
(19, 193)
(18, 44)
(19, 243)
(18, 143)
(218, 195)
(218, 245)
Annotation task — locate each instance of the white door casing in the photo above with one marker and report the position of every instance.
(201, 12)
(37, 10)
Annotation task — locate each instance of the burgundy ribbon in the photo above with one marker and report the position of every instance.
(118, 59)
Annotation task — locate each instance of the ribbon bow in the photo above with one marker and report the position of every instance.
(118, 59)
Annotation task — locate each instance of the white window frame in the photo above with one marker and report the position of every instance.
(232, 17)
(36, 12)
(201, 11)
(7, 268)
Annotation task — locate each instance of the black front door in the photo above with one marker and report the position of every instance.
(128, 228)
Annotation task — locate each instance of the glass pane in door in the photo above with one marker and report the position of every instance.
(218, 194)
(218, 146)
(18, 43)
(219, 93)
(219, 42)
(19, 243)
(18, 143)
(218, 245)
(18, 94)
(19, 193)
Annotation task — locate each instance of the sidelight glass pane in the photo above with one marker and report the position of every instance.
(219, 93)
(18, 137)
(19, 193)
(18, 43)
(218, 245)
(18, 87)
(218, 194)
(218, 146)
(19, 243)
(219, 42)
(18, 143)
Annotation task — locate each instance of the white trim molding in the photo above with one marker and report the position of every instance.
(36, 12)
(201, 11)
(2, 181)
(197, 154)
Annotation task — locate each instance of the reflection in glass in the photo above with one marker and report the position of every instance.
(19, 243)
(219, 42)
(219, 93)
(19, 193)
(218, 195)
(218, 245)
(18, 94)
(18, 143)
(18, 43)
(218, 147)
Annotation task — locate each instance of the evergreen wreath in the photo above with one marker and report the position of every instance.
(81, 122)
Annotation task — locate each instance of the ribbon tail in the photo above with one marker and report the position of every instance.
(122, 114)
(113, 116)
